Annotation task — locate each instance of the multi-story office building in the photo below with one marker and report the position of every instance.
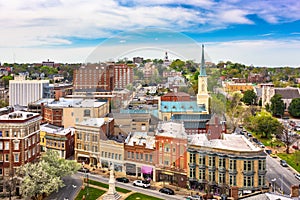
(19, 142)
(58, 139)
(102, 77)
(171, 156)
(219, 165)
(123, 75)
(93, 77)
(23, 92)
(88, 134)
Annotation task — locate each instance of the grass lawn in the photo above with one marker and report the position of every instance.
(293, 159)
(268, 141)
(104, 185)
(141, 197)
(94, 193)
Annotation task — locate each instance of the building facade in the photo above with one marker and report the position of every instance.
(171, 156)
(26, 91)
(139, 155)
(88, 134)
(218, 165)
(123, 75)
(19, 143)
(56, 138)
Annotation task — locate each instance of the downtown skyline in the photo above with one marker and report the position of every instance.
(259, 33)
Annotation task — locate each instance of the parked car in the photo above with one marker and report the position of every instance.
(122, 179)
(295, 147)
(255, 140)
(167, 191)
(141, 183)
(283, 163)
(297, 176)
(194, 197)
(273, 155)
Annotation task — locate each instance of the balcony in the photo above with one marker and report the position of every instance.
(222, 169)
(262, 172)
(248, 173)
(232, 171)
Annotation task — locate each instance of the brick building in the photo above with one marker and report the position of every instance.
(19, 143)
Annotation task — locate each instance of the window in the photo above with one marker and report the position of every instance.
(146, 157)
(221, 178)
(105, 155)
(212, 161)
(16, 145)
(141, 156)
(128, 154)
(63, 145)
(16, 157)
(192, 173)
(211, 176)
(202, 174)
(79, 146)
(150, 158)
(166, 162)
(112, 155)
(6, 158)
(1, 171)
(192, 157)
(261, 180)
(86, 113)
(1, 145)
(167, 147)
(202, 160)
(120, 157)
(248, 165)
(79, 136)
(6, 134)
(132, 155)
(6, 146)
(232, 180)
(137, 155)
(248, 181)
(87, 137)
(109, 154)
(232, 164)
(222, 162)
(261, 164)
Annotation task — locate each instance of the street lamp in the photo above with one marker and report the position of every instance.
(273, 184)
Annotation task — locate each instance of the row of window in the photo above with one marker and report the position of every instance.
(140, 156)
(115, 156)
(16, 144)
(248, 164)
(248, 181)
(51, 143)
(16, 156)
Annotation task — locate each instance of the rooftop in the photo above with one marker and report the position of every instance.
(18, 115)
(288, 92)
(140, 138)
(171, 129)
(96, 122)
(181, 106)
(49, 128)
(229, 142)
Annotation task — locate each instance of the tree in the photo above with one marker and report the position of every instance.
(218, 104)
(264, 124)
(45, 177)
(294, 107)
(277, 105)
(249, 97)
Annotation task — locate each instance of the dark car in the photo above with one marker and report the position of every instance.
(283, 163)
(167, 191)
(122, 179)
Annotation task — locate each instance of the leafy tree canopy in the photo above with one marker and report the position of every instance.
(294, 108)
(249, 97)
(45, 177)
(277, 105)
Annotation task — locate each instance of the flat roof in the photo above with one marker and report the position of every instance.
(18, 115)
(140, 138)
(50, 128)
(229, 142)
(97, 122)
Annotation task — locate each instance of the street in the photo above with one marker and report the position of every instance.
(73, 185)
(283, 177)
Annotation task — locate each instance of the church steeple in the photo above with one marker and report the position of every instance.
(202, 66)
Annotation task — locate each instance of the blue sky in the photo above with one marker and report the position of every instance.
(252, 32)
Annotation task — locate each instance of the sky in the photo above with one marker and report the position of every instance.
(252, 32)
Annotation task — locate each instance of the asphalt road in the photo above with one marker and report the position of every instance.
(73, 184)
(283, 177)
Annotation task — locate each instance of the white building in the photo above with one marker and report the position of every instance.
(26, 91)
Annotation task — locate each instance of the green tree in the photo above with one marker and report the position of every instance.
(294, 107)
(249, 97)
(277, 105)
(45, 177)
(218, 104)
(265, 125)
(6, 79)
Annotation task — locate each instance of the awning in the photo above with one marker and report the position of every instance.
(82, 155)
(168, 173)
(147, 170)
